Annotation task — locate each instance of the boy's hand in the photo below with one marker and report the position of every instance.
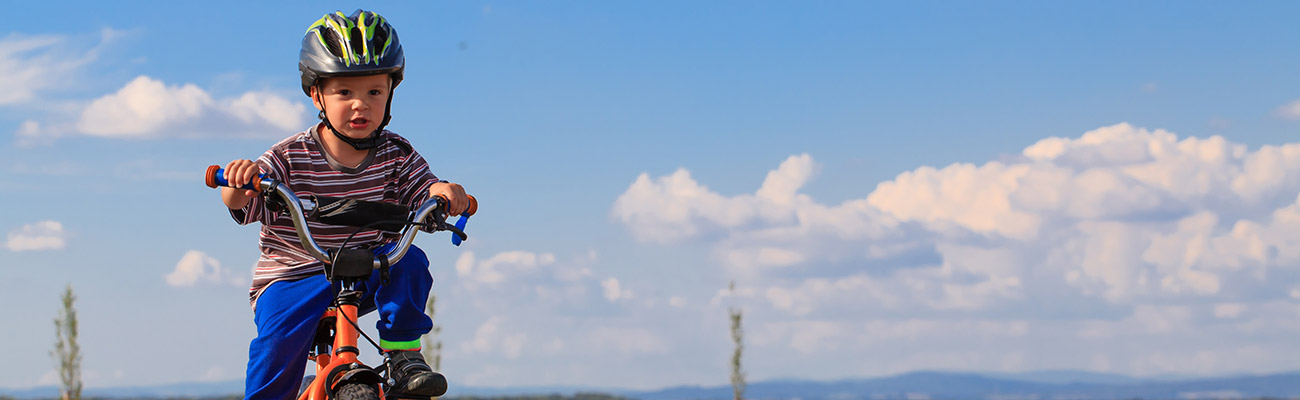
(455, 195)
(240, 172)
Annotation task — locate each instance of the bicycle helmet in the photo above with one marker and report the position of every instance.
(359, 44)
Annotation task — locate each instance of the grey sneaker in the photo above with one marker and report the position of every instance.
(412, 377)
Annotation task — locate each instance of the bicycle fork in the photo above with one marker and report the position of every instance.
(336, 362)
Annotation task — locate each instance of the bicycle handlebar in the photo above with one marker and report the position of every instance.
(298, 208)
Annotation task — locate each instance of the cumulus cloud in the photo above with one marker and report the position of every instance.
(1120, 215)
(43, 235)
(143, 108)
(498, 268)
(148, 108)
(196, 268)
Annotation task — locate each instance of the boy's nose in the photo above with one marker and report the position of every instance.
(359, 105)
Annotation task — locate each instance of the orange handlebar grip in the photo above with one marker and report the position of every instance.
(210, 177)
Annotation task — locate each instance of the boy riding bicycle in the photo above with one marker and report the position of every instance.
(350, 66)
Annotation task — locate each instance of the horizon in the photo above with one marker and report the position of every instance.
(1029, 377)
(996, 186)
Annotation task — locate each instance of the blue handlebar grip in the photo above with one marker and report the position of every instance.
(216, 176)
(455, 239)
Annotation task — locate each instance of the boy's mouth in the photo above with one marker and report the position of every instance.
(358, 123)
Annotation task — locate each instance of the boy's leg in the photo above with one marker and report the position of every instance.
(402, 321)
(287, 314)
(401, 302)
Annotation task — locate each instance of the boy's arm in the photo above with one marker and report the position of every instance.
(417, 184)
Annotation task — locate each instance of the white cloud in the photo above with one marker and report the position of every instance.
(195, 268)
(1289, 110)
(1118, 214)
(675, 207)
(623, 340)
(1229, 310)
(613, 292)
(498, 268)
(43, 235)
(31, 64)
(148, 108)
(677, 301)
(491, 338)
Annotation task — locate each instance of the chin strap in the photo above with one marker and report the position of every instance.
(372, 140)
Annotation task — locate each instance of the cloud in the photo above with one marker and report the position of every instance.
(1289, 110)
(498, 268)
(30, 64)
(43, 235)
(612, 290)
(1119, 215)
(143, 108)
(148, 108)
(625, 340)
(492, 338)
(196, 268)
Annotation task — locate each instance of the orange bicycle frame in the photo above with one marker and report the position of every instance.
(335, 369)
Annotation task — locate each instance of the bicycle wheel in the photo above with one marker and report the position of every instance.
(357, 391)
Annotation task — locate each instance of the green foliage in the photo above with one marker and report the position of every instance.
(737, 337)
(432, 347)
(67, 353)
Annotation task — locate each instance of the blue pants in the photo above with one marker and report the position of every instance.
(287, 314)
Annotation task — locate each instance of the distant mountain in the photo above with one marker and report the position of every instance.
(965, 386)
(1067, 376)
(1045, 385)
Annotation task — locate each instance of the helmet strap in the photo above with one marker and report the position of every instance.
(371, 141)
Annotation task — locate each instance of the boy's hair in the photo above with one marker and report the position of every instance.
(359, 44)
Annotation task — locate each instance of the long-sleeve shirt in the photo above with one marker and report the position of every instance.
(392, 172)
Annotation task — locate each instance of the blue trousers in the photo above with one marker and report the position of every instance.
(287, 314)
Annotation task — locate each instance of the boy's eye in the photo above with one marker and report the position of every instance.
(375, 92)
(345, 92)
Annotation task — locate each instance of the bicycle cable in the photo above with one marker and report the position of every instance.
(344, 245)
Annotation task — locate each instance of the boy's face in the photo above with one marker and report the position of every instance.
(354, 104)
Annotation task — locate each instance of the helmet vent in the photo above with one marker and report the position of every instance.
(332, 41)
(357, 39)
(381, 38)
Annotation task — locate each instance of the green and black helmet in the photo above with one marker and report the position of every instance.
(359, 44)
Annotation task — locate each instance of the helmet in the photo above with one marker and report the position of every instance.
(359, 44)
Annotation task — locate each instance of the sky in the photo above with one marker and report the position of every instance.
(998, 186)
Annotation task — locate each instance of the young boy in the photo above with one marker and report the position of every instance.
(350, 66)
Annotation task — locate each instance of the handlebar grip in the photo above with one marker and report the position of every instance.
(216, 176)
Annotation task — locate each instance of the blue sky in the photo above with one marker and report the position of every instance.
(994, 186)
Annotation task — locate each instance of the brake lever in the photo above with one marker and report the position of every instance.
(443, 226)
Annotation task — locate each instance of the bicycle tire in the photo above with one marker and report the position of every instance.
(356, 391)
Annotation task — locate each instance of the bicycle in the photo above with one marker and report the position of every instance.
(334, 349)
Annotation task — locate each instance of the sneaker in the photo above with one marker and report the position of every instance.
(411, 376)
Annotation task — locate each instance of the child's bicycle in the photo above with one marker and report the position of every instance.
(339, 374)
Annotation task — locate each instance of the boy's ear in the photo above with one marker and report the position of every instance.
(315, 98)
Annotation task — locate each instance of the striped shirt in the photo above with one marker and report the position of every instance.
(392, 172)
